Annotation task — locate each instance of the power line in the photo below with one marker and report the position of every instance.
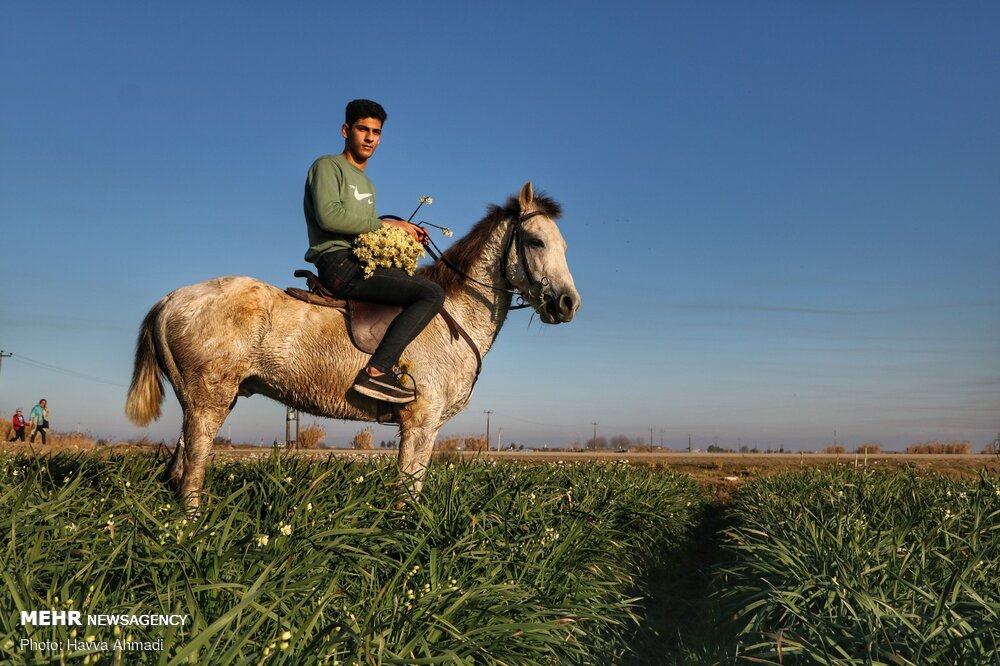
(64, 371)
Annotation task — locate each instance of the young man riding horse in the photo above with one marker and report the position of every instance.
(339, 205)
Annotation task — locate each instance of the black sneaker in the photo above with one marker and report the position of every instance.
(384, 387)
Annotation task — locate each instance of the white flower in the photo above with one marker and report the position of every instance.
(284, 529)
(387, 247)
(262, 540)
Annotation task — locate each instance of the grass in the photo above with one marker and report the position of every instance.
(842, 567)
(329, 561)
(298, 560)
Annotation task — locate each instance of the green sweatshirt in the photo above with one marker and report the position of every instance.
(339, 204)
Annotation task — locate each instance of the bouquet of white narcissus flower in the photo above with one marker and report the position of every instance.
(387, 247)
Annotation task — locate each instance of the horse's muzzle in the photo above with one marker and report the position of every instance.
(561, 309)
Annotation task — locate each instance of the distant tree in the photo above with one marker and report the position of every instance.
(620, 442)
(597, 444)
(835, 448)
(476, 444)
(714, 448)
(448, 444)
(870, 447)
(311, 436)
(954, 448)
(363, 440)
(744, 449)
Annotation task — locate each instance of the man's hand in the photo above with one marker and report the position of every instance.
(418, 234)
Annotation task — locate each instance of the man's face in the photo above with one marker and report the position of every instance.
(362, 138)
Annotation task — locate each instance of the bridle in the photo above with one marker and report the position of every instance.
(516, 238)
(536, 288)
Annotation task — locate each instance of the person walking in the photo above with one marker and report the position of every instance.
(19, 425)
(39, 418)
(339, 205)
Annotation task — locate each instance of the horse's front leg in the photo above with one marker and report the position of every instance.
(418, 432)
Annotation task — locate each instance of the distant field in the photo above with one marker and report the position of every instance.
(719, 471)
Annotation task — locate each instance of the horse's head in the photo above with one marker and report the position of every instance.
(536, 260)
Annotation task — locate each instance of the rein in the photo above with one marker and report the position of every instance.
(515, 238)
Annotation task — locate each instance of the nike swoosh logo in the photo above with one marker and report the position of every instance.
(358, 195)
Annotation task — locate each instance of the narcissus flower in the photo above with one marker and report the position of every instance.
(387, 247)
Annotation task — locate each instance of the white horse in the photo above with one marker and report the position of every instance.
(236, 336)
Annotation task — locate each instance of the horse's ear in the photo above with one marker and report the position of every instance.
(526, 197)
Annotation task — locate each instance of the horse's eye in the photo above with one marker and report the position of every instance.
(536, 242)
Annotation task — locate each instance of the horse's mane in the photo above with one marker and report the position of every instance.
(469, 248)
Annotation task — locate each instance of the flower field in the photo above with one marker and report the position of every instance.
(864, 567)
(305, 561)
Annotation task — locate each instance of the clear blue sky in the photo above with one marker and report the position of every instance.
(783, 217)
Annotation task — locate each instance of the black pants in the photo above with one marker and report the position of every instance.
(38, 430)
(18, 434)
(420, 298)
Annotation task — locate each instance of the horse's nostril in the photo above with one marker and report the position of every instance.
(567, 304)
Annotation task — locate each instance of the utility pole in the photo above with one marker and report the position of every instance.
(689, 442)
(651, 438)
(488, 412)
(3, 356)
(595, 424)
(289, 417)
(661, 438)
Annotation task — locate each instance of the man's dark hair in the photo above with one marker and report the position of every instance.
(363, 108)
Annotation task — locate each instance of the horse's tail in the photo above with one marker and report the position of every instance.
(145, 395)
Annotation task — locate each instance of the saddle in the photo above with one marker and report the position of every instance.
(366, 321)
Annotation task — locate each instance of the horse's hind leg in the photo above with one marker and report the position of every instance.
(177, 465)
(200, 427)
